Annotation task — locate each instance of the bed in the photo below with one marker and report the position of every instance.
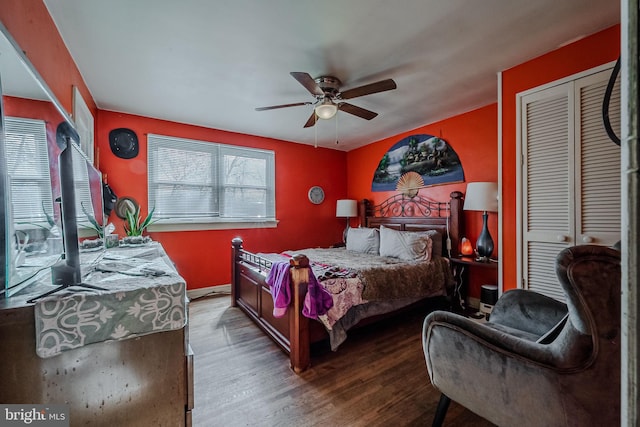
(294, 332)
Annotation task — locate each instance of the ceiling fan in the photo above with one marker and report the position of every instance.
(329, 99)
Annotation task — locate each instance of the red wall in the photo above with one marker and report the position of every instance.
(473, 136)
(203, 258)
(582, 55)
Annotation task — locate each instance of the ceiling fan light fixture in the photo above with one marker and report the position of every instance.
(326, 109)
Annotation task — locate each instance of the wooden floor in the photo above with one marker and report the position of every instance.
(378, 377)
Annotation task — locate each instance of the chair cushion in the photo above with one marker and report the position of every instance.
(514, 332)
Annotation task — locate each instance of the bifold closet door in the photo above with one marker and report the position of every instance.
(570, 185)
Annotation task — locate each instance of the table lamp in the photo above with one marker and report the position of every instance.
(482, 196)
(349, 209)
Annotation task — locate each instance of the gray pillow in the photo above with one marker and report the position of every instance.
(365, 240)
(406, 245)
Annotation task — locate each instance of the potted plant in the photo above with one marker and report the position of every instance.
(93, 223)
(134, 225)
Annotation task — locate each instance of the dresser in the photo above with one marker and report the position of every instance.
(118, 356)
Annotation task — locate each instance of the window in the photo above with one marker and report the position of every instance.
(28, 169)
(207, 183)
(29, 173)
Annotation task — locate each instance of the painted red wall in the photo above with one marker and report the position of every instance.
(473, 136)
(31, 26)
(203, 258)
(582, 55)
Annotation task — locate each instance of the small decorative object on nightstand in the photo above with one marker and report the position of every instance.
(465, 247)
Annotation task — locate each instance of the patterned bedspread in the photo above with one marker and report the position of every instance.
(354, 278)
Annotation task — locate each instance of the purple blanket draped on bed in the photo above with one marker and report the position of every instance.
(317, 301)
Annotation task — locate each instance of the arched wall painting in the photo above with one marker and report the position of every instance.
(427, 155)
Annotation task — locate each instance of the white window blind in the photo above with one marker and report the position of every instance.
(28, 169)
(196, 181)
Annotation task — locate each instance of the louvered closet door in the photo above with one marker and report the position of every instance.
(547, 190)
(598, 179)
(570, 176)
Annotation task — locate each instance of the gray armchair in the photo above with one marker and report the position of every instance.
(537, 362)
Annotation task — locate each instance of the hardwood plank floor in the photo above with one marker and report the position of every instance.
(378, 377)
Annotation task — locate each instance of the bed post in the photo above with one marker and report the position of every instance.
(299, 344)
(236, 247)
(364, 208)
(456, 223)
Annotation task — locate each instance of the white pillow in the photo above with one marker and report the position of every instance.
(365, 240)
(436, 238)
(406, 245)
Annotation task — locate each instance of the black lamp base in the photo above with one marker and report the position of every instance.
(484, 244)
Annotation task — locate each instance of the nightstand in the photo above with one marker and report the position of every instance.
(460, 267)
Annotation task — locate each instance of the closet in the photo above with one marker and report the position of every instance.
(569, 177)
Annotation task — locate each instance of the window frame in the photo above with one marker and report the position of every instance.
(211, 220)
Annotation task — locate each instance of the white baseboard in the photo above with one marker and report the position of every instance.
(200, 292)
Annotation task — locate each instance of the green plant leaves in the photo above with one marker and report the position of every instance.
(134, 226)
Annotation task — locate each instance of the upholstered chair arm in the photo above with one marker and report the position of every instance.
(457, 334)
(528, 311)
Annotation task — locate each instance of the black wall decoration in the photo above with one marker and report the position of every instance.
(124, 143)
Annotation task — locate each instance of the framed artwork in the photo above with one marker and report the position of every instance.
(83, 120)
(428, 156)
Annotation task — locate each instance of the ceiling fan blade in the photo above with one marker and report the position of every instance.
(273, 107)
(307, 81)
(312, 120)
(357, 111)
(380, 86)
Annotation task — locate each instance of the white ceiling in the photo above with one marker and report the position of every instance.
(210, 63)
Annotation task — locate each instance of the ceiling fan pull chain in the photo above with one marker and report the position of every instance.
(337, 142)
(315, 130)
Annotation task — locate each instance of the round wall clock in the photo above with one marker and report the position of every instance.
(316, 195)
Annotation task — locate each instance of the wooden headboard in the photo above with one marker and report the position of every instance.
(418, 213)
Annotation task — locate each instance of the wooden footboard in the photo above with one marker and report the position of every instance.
(294, 332)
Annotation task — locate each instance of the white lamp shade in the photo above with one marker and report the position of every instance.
(481, 196)
(326, 109)
(347, 208)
